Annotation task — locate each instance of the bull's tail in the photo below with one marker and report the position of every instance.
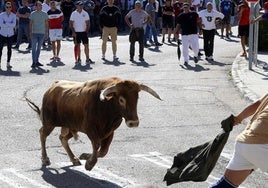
(33, 106)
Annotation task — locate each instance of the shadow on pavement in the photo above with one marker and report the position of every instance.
(39, 71)
(115, 63)
(55, 64)
(82, 68)
(9, 72)
(142, 64)
(67, 177)
(196, 68)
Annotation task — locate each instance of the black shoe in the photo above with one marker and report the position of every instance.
(131, 59)
(33, 65)
(147, 45)
(200, 54)
(158, 44)
(169, 41)
(196, 59)
(141, 59)
(186, 63)
(39, 64)
(9, 66)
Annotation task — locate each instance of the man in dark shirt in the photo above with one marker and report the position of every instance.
(67, 7)
(110, 16)
(188, 22)
(23, 14)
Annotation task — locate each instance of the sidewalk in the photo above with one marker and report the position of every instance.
(253, 84)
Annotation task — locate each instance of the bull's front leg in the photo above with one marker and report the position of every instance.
(105, 144)
(91, 159)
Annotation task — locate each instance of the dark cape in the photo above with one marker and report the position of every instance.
(196, 163)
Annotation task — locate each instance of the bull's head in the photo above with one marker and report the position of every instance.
(127, 93)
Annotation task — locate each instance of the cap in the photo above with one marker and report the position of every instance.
(79, 3)
(265, 5)
(186, 5)
(137, 2)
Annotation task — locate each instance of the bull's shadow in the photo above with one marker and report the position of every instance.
(67, 177)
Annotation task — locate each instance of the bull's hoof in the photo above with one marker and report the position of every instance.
(76, 162)
(45, 161)
(85, 156)
(89, 165)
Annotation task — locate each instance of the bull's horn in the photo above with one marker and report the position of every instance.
(149, 90)
(104, 93)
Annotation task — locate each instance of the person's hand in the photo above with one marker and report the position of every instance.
(237, 120)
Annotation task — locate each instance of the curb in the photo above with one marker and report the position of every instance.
(238, 80)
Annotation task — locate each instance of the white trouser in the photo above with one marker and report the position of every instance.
(187, 41)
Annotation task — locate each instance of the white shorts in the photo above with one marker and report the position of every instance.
(249, 156)
(55, 34)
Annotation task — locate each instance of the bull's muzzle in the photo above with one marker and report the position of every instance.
(132, 123)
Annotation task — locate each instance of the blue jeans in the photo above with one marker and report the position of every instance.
(23, 29)
(37, 42)
(66, 32)
(149, 28)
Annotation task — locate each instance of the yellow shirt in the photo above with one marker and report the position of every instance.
(256, 131)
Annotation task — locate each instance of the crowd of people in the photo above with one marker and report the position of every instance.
(48, 22)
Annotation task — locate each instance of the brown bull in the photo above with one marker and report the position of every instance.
(95, 108)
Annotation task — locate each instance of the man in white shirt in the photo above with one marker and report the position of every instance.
(79, 24)
(7, 25)
(208, 20)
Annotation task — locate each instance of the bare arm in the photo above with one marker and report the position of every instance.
(248, 111)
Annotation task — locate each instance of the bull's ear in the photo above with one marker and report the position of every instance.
(107, 93)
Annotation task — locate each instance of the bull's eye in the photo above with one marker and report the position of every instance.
(122, 101)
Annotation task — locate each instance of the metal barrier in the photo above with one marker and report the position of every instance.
(253, 35)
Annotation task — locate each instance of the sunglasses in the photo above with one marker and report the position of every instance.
(8, 6)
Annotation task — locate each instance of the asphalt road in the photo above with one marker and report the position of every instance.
(195, 100)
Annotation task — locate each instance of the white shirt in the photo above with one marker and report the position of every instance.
(7, 24)
(79, 20)
(208, 18)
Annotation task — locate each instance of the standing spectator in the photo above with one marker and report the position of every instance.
(55, 18)
(89, 6)
(110, 17)
(7, 26)
(67, 7)
(138, 18)
(196, 5)
(177, 6)
(38, 32)
(251, 149)
(188, 22)
(149, 8)
(243, 24)
(79, 24)
(23, 14)
(167, 10)
(208, 21)
(46, 8)
(226, 9)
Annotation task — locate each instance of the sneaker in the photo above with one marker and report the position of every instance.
(207, 58)
(211, 58)
(199, 53)
(141, 59)
(53, 58)
(265, 67)
(163, 40)
(89, 61)
(15, 47)
(57, 59)
(151, 41)
(221, 36)
(227, 36)
(8, 65)
(158, 44)
(103, 57)
(115, 58)
(38, 64)
(29, 47)
(131, 59)
(33, 65)
(174, 40)
(195, 59)
(186, 63)
(78, 62)
(169, 40)
(147, 45)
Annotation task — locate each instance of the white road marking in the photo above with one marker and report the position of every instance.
(12, 177)
(98, 172)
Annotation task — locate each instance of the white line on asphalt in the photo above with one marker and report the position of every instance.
(98, 172)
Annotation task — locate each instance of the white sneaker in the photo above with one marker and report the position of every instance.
(103, 57)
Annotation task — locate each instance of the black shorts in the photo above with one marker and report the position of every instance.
(243, 30)
(226, 20)
(167, 22)
(81, 36)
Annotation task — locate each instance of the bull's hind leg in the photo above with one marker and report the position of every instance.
(44, 132)
(64, 137)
